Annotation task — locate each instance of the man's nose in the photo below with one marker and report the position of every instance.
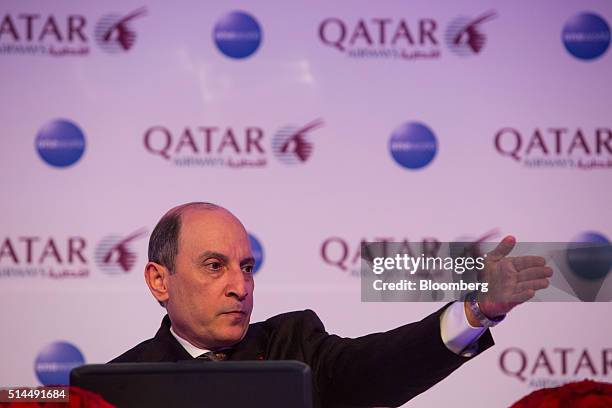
(237, 285)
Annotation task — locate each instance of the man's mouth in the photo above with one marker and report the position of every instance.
(236, 313)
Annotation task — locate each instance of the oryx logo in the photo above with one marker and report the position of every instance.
(292, 144)
(113, 33)
(114, 254)
(464, 36)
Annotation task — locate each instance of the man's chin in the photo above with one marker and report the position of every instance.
(230, 336)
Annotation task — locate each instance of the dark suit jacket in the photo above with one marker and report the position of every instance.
(381, 369)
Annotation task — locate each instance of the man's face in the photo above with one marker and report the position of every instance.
(210, 293)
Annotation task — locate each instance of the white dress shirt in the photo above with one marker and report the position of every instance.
(190, 348)
(457, 332)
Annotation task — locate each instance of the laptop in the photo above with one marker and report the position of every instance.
(285, 384)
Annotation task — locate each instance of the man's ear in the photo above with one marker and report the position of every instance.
(157, 276)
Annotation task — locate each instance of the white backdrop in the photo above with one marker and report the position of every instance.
(174, 76)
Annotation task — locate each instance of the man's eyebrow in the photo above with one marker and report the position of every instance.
(248, 261)
(212, 254)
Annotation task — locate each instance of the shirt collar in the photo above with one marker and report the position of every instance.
(190, 348)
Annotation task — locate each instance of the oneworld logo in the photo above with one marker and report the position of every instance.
(60, 143)
(114, 33)
(559, 147)
(258, 252)
(237, 35)
(586, 36)
(54, 362)
(590, 256)
(413, 145)
(465, 36)
(114, 254)
(584, 266)
(292, 144)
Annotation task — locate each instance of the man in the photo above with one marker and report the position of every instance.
(201, 270)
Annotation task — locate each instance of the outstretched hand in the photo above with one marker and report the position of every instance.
(512, 280)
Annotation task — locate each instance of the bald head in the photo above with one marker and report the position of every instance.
(165, 238)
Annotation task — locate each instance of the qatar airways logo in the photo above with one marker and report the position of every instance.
(466, 36)
(556, 147)
(31, 256)
(344, 255)
(555, 366)
(115, 253)
(49, 257)
(402, 38)
(58, 35)
(114, 32)
(292, 144)
(228, 146)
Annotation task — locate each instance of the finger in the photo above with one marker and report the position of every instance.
(502, 249)
(537, 272)
(524, 262)
(535, 284)
(523, 296)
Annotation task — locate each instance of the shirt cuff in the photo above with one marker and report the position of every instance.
(458, 334)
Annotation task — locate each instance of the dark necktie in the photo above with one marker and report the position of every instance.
(214, 356)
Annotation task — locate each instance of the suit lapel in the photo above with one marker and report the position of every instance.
(167, 347)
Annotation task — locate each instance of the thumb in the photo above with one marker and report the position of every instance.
(502, 249)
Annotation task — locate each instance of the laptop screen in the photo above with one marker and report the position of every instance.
(241, 384)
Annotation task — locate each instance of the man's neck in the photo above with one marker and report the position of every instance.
(194, 351)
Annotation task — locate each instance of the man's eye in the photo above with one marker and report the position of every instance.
(215, 266)
(247, 269)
